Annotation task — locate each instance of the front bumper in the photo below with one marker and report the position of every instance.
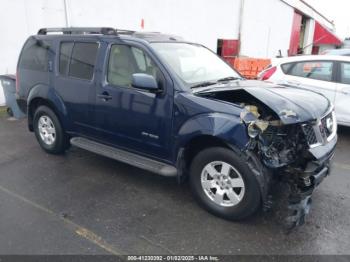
(303, 184)
(323, 152)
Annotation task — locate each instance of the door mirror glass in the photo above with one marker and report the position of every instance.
(144, 81)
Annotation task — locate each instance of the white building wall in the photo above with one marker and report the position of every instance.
(18, 20)
(202, 21)
(310, 12)
(266, 28)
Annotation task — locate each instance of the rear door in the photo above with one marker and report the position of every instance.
(317, 76)
(75, 82)
(342, 99)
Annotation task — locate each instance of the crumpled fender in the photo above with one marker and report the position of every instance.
(228, 128)
(232, 131)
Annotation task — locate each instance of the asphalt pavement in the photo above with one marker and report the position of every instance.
(82, 203)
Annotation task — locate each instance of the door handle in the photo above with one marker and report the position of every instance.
(104, 96)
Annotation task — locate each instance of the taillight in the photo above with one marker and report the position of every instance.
(268, 73)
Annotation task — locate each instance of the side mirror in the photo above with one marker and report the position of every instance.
(144, 81)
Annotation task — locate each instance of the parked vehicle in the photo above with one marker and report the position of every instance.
(176, 109)
(327, 75)
(341, 52)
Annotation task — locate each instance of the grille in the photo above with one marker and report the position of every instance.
(310, 134)
(319, 133)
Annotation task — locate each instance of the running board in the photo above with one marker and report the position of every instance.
(124, 156)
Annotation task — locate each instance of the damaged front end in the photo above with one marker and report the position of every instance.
(291, 152)
(293, 143)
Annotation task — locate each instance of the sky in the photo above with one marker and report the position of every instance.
(336, 10)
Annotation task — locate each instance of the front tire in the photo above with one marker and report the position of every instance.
(223, 184)
(49, 132)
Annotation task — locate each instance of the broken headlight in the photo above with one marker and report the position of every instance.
(250, 117)
(257, 127)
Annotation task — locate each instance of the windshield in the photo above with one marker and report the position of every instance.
(194, 64)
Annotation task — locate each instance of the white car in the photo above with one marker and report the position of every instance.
(328, 75)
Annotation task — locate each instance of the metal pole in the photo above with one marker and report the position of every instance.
(66, 16)
(240, 26)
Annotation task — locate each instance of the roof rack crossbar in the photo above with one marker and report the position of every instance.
(125, 31)
(79, 30)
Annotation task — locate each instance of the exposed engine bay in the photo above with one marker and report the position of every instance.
(283, 149)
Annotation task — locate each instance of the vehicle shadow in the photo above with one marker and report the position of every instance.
(344, 131)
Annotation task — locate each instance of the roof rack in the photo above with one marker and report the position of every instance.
(125, 31)
(80, 30)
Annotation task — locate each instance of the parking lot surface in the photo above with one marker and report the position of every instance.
(82, 203)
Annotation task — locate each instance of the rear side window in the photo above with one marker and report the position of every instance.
(65, 52)
(35, 55)
(345, 73)
(318, 70)
(286, 67)
(83, 60)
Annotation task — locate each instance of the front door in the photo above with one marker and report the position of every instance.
(131, 118)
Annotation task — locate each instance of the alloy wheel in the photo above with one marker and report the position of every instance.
(222, 183)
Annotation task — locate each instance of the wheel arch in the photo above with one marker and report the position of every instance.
(44, 95)
(223, 130)
(201, 142)
(210, 129)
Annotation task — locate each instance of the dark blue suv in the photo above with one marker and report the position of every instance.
(176, 109)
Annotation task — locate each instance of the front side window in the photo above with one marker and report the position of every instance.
(124, 61)
(194, 63)
(318, 70)
(83, 60)
(35, 56)
(345, 73)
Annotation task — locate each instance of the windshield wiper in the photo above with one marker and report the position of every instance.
(209, 83)
(229, 78)
(203, 84)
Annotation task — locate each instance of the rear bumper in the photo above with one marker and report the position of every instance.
(22, 104)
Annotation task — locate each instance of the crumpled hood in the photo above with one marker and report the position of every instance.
(292, 105)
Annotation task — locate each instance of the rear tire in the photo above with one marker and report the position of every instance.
(49, 132)
(223, 184)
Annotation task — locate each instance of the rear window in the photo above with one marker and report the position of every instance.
(35, 55)
(82, 61)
